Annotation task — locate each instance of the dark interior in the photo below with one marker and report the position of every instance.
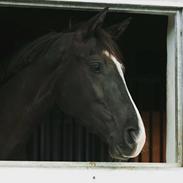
(143, 46)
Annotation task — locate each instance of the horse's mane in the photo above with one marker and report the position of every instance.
(40, 46)
(29, 54)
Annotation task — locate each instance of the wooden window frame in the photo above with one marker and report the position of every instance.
(174, 11)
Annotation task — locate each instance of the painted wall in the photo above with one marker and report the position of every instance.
(89, 175)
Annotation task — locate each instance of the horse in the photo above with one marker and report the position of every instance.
(81, 72)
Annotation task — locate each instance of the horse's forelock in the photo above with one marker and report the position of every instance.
(108, 44)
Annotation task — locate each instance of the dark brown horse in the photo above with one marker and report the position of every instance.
(80, 72)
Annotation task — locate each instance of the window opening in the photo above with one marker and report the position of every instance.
(143, 45)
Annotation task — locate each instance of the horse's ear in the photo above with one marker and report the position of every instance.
(118, 29)
(91, 25)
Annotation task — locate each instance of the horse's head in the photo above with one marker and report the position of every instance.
(95, 92)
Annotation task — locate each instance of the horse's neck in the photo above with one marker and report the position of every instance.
(27, 95)
(24, 99)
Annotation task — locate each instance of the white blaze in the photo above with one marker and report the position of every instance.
(142, 136)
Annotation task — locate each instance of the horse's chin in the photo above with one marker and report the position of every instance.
(118, 157)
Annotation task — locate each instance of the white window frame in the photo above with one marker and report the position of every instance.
(174, 10)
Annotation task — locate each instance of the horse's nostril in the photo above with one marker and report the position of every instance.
(131, 136)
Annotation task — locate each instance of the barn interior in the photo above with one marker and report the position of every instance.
(143, 45)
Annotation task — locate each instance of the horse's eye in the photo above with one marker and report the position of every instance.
(96, 67)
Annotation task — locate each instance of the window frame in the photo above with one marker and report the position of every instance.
(174, 73)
